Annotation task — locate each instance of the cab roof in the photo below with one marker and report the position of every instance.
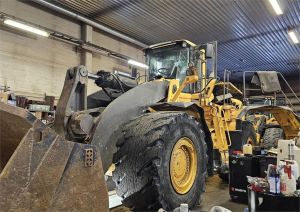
(169, 43)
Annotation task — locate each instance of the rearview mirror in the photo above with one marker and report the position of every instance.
(209, 51)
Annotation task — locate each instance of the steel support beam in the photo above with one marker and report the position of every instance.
(87, 56)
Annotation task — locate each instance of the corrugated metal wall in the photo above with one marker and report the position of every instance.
(250, 36)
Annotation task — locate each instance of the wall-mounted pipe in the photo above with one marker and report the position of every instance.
(89, 22)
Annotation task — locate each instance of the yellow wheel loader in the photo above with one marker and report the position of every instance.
(265, 87)
(162, 136)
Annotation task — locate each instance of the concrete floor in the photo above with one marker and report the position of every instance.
(216, 195)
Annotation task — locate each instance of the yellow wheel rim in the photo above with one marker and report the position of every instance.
(183, 165)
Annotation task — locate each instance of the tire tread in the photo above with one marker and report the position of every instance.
(271, 137)
(139, 143)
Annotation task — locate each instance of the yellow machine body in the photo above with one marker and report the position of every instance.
(222, 118)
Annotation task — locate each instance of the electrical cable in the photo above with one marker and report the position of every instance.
(119, 82)
(106, 92)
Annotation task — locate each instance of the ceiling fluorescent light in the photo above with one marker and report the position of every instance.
(293, 36)
(26, 27)
(276, 7)
(142, 65)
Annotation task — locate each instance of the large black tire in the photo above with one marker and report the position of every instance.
(248, 133)
(224, 173)
(248, 136)
(220, 167)
(271, 137)
(142, 174)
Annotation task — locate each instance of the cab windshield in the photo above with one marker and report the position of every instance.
(169, 62)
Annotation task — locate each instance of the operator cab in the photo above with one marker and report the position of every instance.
(173, 59)
(169, 60)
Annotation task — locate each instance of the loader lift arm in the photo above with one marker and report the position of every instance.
(45, 169)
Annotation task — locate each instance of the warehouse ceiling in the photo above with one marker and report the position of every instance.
(250, 36)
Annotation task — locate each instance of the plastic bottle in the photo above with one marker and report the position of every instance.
(247, 149)
(287, 181)
(274, 180)
(294, 166)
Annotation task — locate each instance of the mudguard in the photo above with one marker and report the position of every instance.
(126, 107)
(288, 120)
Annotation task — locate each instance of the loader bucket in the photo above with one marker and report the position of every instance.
(41, 171)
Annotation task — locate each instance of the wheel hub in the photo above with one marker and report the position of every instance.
(183, 165)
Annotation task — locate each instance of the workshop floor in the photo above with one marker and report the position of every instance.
(216, 195)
